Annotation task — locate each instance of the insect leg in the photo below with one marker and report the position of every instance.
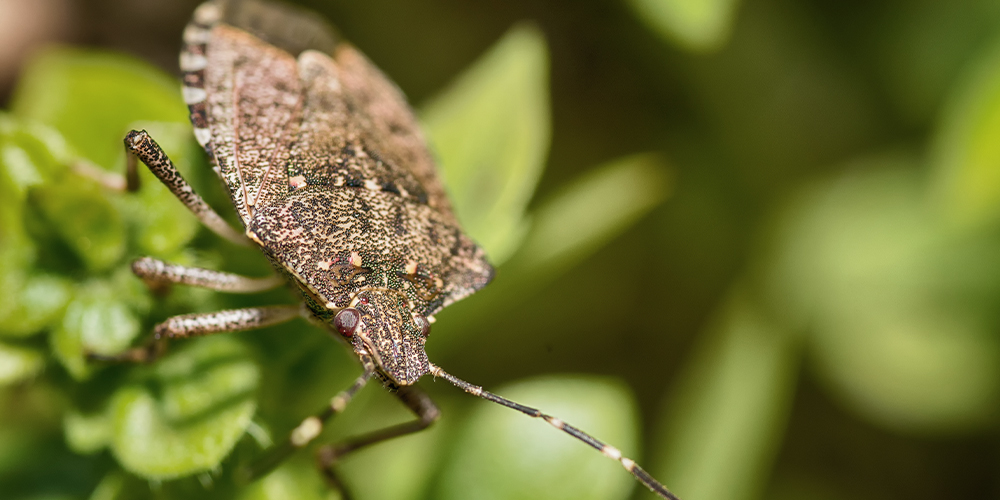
(157, 273)
(193, 325)
(608, 450)
(140, 145)
(414, 398)
(308, 430)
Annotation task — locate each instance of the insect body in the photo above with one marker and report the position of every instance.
(330, 175)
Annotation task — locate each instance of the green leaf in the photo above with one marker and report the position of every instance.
(966, 154)
(727, 413)
(18, 363)
(502, 454)
(86, 434)
(98, 320)
(591, 211)
(696, 25)
(91, 97)
(296, 478)
(189, 412)
(84, 218)
(34, 302)
(491, 130)
(568, 227)
(900, 307)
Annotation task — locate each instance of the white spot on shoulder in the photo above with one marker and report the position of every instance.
(324, 265)
(196, 35)
(355, 259)
(306, 431)
(339, 181)
(411, 267)
(203, 135)
(297, 181)
(193, 62)
(330, 305)
(403, 192)
(431, 319)
(372, 185)
(193, 95)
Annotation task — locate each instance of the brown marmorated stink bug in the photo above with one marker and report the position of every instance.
(330, 175)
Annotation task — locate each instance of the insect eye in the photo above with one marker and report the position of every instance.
(347, 321)
(425, 326)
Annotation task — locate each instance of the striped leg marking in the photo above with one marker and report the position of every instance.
(415, 399)
(193, 325)
(607, 450)
(157, 273)
(140, 145)
(308, 430)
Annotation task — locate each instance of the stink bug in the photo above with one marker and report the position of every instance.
(331, 178)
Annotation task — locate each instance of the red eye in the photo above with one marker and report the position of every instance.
(347, 321)
(425, 326)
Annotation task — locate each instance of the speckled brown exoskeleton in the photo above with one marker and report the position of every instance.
(330, 176)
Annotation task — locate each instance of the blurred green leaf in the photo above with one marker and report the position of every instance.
(91, 97)
(31, 302)
(84, 218)
(18, 363)
(87, 434)
(727, 412)
(98, 320)
(502, 454)
(568, 227)
(295, 479)
(590, 211)
(966, 155)
(491, 130)
(189, 412)
(696, 25)
(900, 330)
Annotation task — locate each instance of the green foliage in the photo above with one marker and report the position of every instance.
(697, 25)
(491, 130)
(496, 444)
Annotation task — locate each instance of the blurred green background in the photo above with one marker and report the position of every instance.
(751, 243)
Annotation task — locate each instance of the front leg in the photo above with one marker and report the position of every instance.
(192, 325)
(157, 273)
(140, 145)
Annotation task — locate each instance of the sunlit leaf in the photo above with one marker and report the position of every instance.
(491, 132)
(502, 454)
(568, 227)
(19, 363)
(31, 302)
(698, 25)
(592, 210)
(85, 220)
(967, 153)
(98, 321)
(91, 97)
(296, 479)
(726, 415)
(899, 305)
(87, 433)
(189, 412)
